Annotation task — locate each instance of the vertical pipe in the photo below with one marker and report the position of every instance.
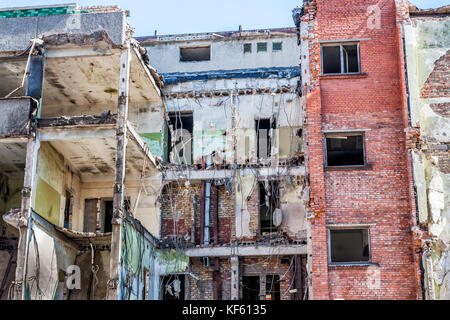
(202, 212)
(207, 212)
(216, 214)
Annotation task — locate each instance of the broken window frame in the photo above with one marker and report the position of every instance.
(184, 59)
(347, 134)
(270, 137)
(186, 144)
(350, 227)
(341, 57)
(274, 185)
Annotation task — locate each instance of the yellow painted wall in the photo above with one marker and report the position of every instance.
(49, 184)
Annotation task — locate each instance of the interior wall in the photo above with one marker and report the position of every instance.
(48, 183)
(10, 197)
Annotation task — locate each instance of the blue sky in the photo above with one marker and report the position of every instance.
(186, 16)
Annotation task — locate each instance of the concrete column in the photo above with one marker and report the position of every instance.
(30, 172)
(235, 277)
(119, 185)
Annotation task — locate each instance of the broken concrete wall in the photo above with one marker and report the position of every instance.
(149, 123)
(213, 124)
(428, 58)
(14, 116)
(239, 216)
(16, 32)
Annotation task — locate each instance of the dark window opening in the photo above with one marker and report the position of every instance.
(195, 54)
(263, 137)
(268, 202)
(172, 287)
(345, 150)
(108, 217)
(331, 59)
(273, 287)
(277, 46)
(261, 47)
(250, 288)
(349, 245)
(351, 64)
(340, 59)
(247, 47)
(68, 211)
(180, 145)
(108, 207)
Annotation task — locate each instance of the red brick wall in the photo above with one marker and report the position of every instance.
(379, 194)
(202, 289)
(178, 200)
(436, 85)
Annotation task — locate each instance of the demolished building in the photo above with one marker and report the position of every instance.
(81, 184)
(427, 61)
(276, 164)
(234, 190)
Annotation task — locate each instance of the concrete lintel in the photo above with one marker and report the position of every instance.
(350, 225)
(344, 40)
(77, 52)
(226, 173)
(246, 251)
(22, 139)
(76, 132)
(346, 130)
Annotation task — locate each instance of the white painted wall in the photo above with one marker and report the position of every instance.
(225, 55)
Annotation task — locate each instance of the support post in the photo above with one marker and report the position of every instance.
(235, 278)
(22, 252)
(119, 185)
(35, 78)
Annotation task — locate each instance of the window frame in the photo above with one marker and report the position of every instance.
(281, 46)
(340, 44)
(350, 227)
(247, 45)
(257, 47)
(355, 133)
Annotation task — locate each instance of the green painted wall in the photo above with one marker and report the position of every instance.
(154, 141)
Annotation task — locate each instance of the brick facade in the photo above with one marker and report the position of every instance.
(378, 194)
